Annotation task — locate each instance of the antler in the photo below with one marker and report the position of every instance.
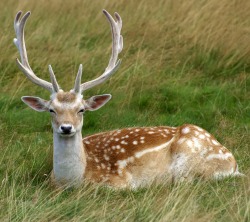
(117, 45)
(19, 24)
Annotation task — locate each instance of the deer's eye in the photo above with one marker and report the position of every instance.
(51, 111)
(81, 111)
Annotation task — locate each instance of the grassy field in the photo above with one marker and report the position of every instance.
(183, 62)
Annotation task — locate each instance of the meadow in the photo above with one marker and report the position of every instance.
(182, 62)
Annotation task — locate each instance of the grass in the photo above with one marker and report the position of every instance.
(183, 62)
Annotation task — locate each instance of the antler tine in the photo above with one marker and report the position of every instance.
(53, 79)
(77, 87)
(117, 45)
(19, 24)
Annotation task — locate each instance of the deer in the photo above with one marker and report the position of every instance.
(124, 158)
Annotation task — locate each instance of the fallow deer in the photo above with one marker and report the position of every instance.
(130, 157)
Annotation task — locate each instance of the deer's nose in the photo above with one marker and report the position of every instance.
(66, 128)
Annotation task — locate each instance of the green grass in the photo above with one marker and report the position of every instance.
(183, 62)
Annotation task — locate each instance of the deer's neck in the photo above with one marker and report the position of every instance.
(69, 159)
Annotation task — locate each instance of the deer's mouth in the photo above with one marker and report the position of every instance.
(62, 134)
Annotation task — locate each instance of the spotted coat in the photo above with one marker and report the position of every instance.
(138, 156)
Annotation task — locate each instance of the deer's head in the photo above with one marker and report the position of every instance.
(67, 108)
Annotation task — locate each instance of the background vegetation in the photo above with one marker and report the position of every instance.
(183, 62)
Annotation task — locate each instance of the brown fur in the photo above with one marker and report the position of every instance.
(66, 113)
(66, 97)
(103, 156)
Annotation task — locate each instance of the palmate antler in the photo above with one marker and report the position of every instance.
(117, 45)
(19, 24)
(53, 87)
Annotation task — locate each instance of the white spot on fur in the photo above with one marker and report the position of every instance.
(96, 160)
(185, 130)
(199, 129)
(215, 142)
(137, 130)
(124, 142)
(135, 142)
(151, 132)
(207, 135)
(122, 150)
(106, 157)
(166, 130)
(116, 139)
(87, 142)
(118, 147)
(202, 136)
(103, 166)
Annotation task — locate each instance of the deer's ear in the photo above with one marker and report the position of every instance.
(96, 102)
(36, 103)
